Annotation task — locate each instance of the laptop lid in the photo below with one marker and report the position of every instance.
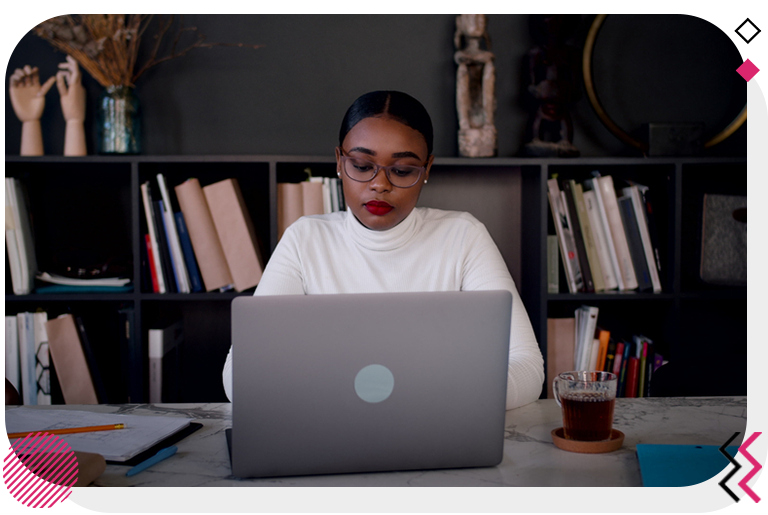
(368, 382)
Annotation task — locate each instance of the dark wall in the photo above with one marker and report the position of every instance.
(289, 96)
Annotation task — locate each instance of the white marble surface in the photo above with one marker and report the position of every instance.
(530, 457)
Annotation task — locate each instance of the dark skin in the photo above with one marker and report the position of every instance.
(384, 141)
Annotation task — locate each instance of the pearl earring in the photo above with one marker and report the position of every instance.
(425, 181)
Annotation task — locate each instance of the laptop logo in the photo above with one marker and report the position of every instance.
(374, 383)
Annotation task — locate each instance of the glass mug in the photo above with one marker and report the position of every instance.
(587, 400)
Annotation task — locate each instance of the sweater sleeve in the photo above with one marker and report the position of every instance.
(282, 276)
(485, 269)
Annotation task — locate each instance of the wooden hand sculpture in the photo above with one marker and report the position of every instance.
(28, 100)
(72, 93)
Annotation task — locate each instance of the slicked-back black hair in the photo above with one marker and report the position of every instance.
(395, 104)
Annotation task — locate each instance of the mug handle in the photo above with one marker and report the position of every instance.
(555, 392)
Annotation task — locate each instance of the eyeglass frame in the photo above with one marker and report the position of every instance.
(378, 167)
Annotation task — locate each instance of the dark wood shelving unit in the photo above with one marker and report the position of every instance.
(508, 195)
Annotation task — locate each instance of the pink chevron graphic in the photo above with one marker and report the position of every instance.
(743, 450)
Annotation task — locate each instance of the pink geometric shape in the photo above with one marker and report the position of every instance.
(747, 70)
(755, 467)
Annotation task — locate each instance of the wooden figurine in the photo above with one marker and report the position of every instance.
(72, 93)
(554, 84)
(475, 87)
(28, 100)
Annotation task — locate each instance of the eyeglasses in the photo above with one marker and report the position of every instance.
(362, 170)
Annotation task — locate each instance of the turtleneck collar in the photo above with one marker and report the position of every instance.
(390, 239)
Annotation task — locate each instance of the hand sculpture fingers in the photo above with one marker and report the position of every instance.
(62, 80)
(16, 77)
(45, 87)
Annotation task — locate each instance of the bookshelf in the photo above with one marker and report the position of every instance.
(94, 204)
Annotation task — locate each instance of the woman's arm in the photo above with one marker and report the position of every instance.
(485, 269)
(282, 276)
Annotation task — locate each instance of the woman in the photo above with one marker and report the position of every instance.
(383, 243)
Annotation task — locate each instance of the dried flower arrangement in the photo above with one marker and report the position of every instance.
(107, 45)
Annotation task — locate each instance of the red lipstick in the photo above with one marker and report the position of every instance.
(378, 208)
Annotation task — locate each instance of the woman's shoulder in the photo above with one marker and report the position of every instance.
(314, 223)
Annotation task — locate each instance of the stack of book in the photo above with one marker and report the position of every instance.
(19, 241)
(607, 241)
(579, 343)
(315, 196)
(208, 244)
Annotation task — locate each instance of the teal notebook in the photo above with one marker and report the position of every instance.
(681, 465)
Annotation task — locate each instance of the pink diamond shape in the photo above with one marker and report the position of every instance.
(747, 70)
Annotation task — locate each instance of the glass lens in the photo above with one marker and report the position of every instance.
(402, 176)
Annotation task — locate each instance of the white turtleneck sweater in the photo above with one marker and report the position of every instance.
(430, 250)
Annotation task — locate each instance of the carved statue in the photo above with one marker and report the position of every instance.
(554, 84)
(28, 100)
(475, 87)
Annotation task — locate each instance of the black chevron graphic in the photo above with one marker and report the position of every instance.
(736, 466)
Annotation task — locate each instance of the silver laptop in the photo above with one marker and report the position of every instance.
(326, 384)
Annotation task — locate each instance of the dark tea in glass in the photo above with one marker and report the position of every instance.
(587, 399)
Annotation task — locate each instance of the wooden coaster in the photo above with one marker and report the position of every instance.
(615, 443)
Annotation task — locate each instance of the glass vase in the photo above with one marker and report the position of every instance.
(119, 121)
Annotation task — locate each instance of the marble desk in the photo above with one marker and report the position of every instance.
(530, 457)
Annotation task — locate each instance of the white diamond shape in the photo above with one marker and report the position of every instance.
(748, 30)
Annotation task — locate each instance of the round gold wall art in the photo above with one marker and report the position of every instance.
(589, 85)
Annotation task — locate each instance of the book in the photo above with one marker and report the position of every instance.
(553, 265)
(651, 219)
(618, 235)
(635, 244)
(578, 237)
(565, 237)
(27, 357)
(342, 203)
(587, 326)
(202, 233)
(151, 263)
(680, 465)
(163, 248)
(68, 357)
(90, 358)
(327, 207)
(622, 385)
(152, 228)
(334, 189)
(643, 370)
(42, 360)
(19, 238)
(131, 355)
(590, 245)
(172, 235)
(560, 344)
(632, 377)
(599, 236)
(649, 370)
(604, 337)
(617, 361)
(176, 277)
(236, 232)
(163, 350)
(12, 367)
(295, 200)
(724, 240)
(612, 255)
(633, 192)
(610, 355)
(195, 281)
(594, 354)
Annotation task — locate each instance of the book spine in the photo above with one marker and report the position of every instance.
(590, 324)
(627, 270)
(333, 186)
(152, 229)
(155, 352)
(648, 370)
(342, 203)
(93, 366)
(589, 240)
(612, 256)
(652, 229)
(623, 372)
(610, 355)
(627, 212)
(598, 233)
(578, 237)
(42, 360)
(162, 249)
(645, 238)
(11, 245)
(12, 371)
(619, 357)
(196, 283)
(151, 261)
(565, 237)
(604, 336)
(176, 277)
(27, 358)
(553, 265)
(642, 371)
(326, 196)
(632, 377)
(173, 237)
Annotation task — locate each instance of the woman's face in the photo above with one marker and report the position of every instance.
(377, 204)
